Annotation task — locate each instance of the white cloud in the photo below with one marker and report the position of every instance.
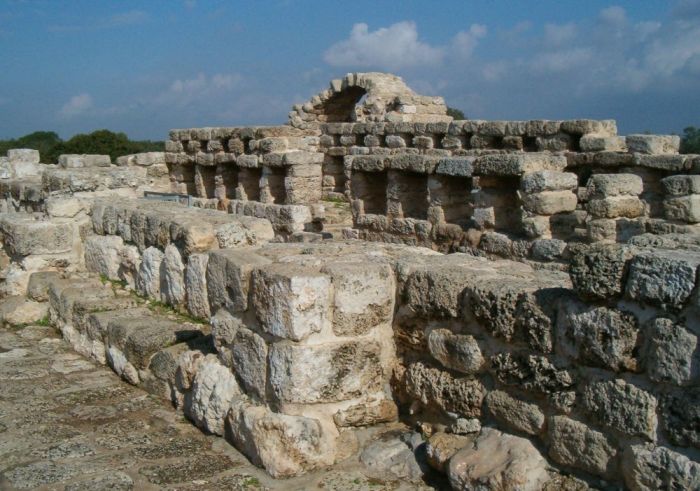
(559, 61)
(464, 42)
(183, 92)
(614, 15)
(559, 33)
(389, 48)
(76, 105)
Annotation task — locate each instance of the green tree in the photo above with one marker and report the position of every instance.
(690, 141)
(455, 113)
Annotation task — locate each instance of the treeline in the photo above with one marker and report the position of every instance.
(103, 142)
(690, 141)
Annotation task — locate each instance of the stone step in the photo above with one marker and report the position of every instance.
(136, 338)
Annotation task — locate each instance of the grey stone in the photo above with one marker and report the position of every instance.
(663, 278)
(575, 445)
(515, 413)
(455, 351)
(498, 461)
(623, 407)
(648, 468)
(671, 353)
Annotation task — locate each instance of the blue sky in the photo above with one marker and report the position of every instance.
(145, 67)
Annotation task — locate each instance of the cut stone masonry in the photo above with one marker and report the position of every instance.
(544, 337)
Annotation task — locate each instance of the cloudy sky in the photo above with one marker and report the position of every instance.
(145, 67)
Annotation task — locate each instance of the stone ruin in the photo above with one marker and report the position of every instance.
(521, 297)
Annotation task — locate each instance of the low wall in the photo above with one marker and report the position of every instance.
(597, 368)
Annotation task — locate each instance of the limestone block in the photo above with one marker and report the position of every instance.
(19, 311)
(598, 336)
(455, 351)
(647, 467)
(653, 144)
(576, 445)
(602, 186)
(395, 141)
(681, 185)
(515, 413)
(363, 298)
(173, 277)
(456, 166)
(326, 372)
(102, 255)
(498, 461)
(680, 417)
(24, 236)
(549, 202)
(214, 388)
(149, 279)
(599, 143)
(607, 127)
(119, 363)
(291, 301)
(442, 446)
(284, 445)
(367, 413)
(616, 207)
(68, 161)
(530, 372)
(560, 142)
(517, 164)
(536, 226)
(663, 278)
(598, 271)
(548, 249)
(683, 208)
(614, 230)
(249, 357)
(437, 389)
(393, 456)
(671, 353)
(547, 180)
(622, 406)
(228, 278)
(65, 207)
(39, 283)
(667, 162)
(24, 155)
(196, 286)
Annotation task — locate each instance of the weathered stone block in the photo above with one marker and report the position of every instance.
(680, 417)
(671, 353)
(291, 301)
(623, 407)
(549, 202)
(681, 185)
(664, 278)
(455, 351)
(616, 207)
(530, 372)
(214, 388)
(601, 186)
(598, 272)
(249, 357)
(683, 208)
(284, 445)
(547, 180)
(326, 372)
(150, 276)
(576, 445)
(599, 143)
(228, 278)
(196, 286)
(364, 296)
(598, 336)
(436, 388)
(653, 144)
(515, 413)
(498, 461)
(647, 467)
(518, 164)
(23, 236)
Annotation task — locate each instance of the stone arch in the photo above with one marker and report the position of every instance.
(368, 97)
